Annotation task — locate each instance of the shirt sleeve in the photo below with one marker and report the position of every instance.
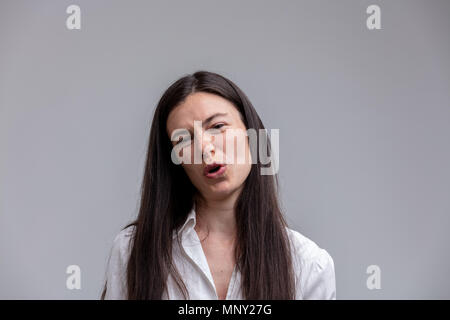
(116, 284)
(319, 277)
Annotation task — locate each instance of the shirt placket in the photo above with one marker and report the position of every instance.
(230, 290)
(193, 249)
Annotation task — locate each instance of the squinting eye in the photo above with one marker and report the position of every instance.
(218, 126)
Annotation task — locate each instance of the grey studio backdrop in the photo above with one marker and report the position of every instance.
(364, 120)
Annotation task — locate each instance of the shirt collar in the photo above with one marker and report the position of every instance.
(189, 224)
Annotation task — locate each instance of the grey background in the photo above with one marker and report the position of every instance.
(364, 119)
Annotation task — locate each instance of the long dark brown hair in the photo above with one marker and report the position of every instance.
(262, 252)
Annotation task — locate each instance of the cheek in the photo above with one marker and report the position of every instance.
(194, 173)
(236, 149)
(242, 171)
(239, 172)
(245, 162)
(187, 155)
(190, 170)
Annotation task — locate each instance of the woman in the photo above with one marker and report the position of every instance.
(211, 229)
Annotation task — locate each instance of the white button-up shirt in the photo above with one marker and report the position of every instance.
(313, 268)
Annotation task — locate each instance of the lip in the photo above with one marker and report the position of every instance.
(217, 174)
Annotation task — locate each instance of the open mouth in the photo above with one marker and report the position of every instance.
(214, 170)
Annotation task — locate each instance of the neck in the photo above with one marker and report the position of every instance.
(217, 217)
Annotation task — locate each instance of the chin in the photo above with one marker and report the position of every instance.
(220, 190)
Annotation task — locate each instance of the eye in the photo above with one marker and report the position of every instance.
(218, 126)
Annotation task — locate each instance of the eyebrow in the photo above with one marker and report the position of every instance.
(205, 122)
(211, 118)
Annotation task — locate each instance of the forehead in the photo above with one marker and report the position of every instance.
(199, 106)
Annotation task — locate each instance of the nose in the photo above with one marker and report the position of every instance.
(208, 148)
(205, 141)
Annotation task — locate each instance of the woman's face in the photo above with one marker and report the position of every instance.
(217, 115)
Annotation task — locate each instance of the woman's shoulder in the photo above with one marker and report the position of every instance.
(306, 249)
(122, 241)
(314, 267)
(125, 234)
(117, 264)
